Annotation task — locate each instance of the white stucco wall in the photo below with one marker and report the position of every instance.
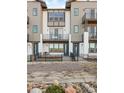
(29, 49)
(67, 22)
(45, 31)
(81, 49)
(45, 47)
(86, 44)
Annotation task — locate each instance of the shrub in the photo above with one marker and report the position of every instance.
(54, 89)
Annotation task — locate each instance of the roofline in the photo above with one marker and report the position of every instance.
(68, 3)
(43, 4)
(55, 8)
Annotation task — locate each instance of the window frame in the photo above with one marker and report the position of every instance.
(35, 27)
(76, 14)
(78, 28)
(94, 49)
(35, 12)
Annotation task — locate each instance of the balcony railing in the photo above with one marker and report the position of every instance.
(93, 37)
(55, 37)
(89, 16)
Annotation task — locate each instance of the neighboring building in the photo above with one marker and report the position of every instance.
(62, 31)
(34, 26)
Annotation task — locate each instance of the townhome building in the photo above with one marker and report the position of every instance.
(56, 32)
(62, 31)
(34, 26)
(83, 27)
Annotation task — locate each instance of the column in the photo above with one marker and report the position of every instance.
(70, 45)
(41, 43)
(86, 44)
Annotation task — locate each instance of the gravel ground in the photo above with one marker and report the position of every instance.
(62, 71)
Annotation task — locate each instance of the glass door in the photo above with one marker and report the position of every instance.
(66, 50)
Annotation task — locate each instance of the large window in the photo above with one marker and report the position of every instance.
(76, 28)
(56, 47)
(76, 11)
(34, 12)
(92, 47)
(90, 13)
(56, 16)
(92, 32)
(35, 28)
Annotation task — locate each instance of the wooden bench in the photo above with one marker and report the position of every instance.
(51, 58)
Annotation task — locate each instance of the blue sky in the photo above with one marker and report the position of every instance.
(55, 3)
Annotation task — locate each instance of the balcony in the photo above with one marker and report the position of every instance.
(55, 38)
(93, 37)
(90, 18)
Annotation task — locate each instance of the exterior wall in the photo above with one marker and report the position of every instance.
(66, 28)
(81, 50)
(46, 29)
(34, 20)
(77, 20)
(86, 44)
(67, 22)
(29, 49)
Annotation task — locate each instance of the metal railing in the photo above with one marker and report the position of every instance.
(92, 37)
(55, 37)
(89, 16)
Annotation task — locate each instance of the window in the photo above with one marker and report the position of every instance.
(76, 28)
(56, 33)
(50, 16)
(92, 47)
(35, 28)
(55, 16)
(92, 32)
(90, 13)
(61, 46)
(76, 11)
(61, 19)
(56, 47)
(34, 11)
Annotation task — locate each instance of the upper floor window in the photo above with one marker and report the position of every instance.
(34, 12)
(55, 16)
(76, 11)
(76, 28)
(92, 31)
(90, 13)
(35, 28)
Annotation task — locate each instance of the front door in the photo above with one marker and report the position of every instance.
(66, 50)
(76, 49)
